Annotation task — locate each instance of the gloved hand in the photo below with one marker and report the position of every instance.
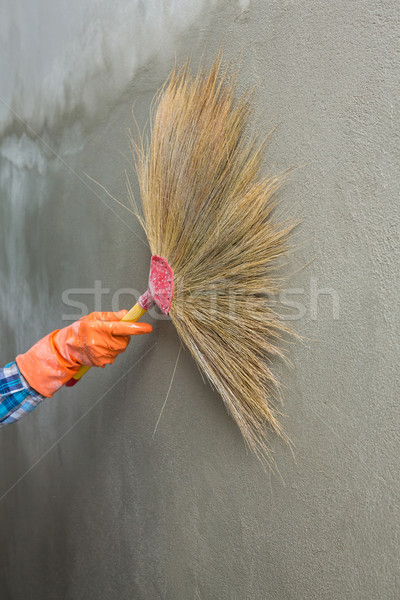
(94, 340)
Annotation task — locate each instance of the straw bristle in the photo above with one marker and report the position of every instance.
(208, 212)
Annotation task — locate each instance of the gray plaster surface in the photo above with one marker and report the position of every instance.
(93, 505)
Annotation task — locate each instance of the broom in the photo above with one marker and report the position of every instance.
(207, 212)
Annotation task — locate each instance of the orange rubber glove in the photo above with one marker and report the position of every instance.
(95, 340)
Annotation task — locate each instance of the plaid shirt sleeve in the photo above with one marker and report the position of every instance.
(17, 398)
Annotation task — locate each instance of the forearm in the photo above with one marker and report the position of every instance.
(17, 398)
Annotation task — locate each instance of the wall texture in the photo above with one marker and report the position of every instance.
(93, 505)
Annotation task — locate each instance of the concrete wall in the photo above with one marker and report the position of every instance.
(92, 504)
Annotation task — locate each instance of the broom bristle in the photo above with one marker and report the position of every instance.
(208, 212)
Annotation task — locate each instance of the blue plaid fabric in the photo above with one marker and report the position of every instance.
(17, 398)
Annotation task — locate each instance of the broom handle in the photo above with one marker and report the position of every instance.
(133, 315)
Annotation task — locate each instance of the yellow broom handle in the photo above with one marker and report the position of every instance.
(133, 315)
